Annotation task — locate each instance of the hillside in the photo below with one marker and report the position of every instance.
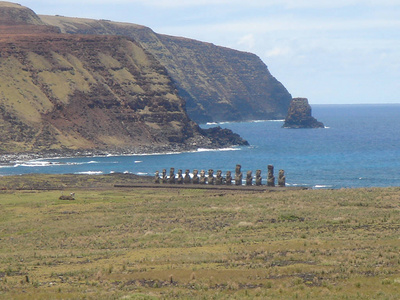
(61, 91)
(218, 84)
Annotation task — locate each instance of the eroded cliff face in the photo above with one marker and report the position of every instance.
(218, 84)
(62, 91)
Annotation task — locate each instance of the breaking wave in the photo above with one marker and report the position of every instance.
(89, 173)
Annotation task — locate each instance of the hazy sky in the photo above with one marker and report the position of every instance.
(341, 51)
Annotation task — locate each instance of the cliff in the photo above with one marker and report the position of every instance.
(218, 84)
(62, 92)
(300, 115)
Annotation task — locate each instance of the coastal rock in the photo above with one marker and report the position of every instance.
(299, 115)
(222, 136)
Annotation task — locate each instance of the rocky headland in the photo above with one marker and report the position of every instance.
(300, 115)
(70, 94)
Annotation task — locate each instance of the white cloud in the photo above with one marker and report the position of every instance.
(278, 51)
(248, 41)
(262, 25)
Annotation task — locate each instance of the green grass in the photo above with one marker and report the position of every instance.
(199, 244)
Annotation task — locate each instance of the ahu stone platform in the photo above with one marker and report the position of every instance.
(218, 182)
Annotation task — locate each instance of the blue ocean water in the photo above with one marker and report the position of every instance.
(360, 147)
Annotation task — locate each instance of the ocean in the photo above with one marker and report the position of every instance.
(359, 147)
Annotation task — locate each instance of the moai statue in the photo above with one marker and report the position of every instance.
(157, 177)
(219, 179)
(211, 178)
(187, 179)
(179, 180)
(271, 178)
(164, 177)
(249, 178)
(258, 178)
(203, 178)
(282, 178)
(228, 178)
(171, 176)
(238, 175)
(195, 179)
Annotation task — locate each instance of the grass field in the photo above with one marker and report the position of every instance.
(199, 244)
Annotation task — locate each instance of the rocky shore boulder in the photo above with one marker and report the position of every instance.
(299, 115)
(222, 137)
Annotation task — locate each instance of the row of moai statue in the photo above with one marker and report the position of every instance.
(219, 179)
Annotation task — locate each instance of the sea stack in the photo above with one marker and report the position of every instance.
(299, 115)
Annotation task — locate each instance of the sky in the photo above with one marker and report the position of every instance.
(331, 52)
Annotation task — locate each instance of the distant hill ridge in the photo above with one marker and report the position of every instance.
(15, 14)
(218, 83)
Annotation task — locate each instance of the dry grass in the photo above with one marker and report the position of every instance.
(197, 244)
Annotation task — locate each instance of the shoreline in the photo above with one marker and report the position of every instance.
(10, 158)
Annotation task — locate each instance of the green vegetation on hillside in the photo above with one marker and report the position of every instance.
(198, 244)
